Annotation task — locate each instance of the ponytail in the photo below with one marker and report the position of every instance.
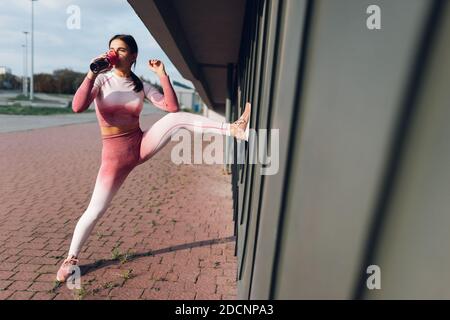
(138, 85)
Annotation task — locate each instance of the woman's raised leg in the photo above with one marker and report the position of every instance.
(155, 138)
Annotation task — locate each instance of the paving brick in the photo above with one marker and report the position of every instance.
(5, 284)
(207, 296)
(154, 294)
(24, 276)
(28, 267)
(127, 294)
(139, 282)
(226, 289)
(33, 246)
(47, 268)
(5, 275)
(33, 253)
(41, 286)
(43, 296)
(19, 285)
(46, 277)
(21, 295)
(64, 296)
(182, 295)
(5, 266)
(4, 294)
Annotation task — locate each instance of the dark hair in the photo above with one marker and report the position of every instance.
(129, 40)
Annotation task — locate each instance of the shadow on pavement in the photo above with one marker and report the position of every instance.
(85, 269)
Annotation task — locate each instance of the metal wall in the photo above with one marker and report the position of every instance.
(363, 149)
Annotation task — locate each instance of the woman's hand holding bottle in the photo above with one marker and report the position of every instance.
(92, 75)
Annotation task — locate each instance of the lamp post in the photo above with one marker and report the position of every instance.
(24, 89)
(25, 65)
(32, 51)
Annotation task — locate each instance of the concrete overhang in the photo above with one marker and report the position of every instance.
(200, 37)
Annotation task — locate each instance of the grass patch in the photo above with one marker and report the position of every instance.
(127, 274)
(125, 257)
(95, 291)
(18, 109)
(22, 97)
(153, 223)
(79, 294)
(56, 285)
(109, 285)
(136, 231)
(115, 253)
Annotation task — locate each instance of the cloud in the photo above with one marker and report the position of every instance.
(58, 47)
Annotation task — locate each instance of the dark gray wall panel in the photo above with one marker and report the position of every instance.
(285, 75)
(353, 87)
(413, 250)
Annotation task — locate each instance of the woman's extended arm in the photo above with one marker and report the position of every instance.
(167, 101)
(85, 94)
(88, 89)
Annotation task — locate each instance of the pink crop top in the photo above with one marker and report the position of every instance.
(117, 104)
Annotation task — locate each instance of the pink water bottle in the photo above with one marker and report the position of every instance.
(102, 64)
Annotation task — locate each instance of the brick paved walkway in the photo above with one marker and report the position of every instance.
(173, 241)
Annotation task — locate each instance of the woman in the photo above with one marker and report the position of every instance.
(119, 96)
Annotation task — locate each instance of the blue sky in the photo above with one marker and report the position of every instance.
(56, 46)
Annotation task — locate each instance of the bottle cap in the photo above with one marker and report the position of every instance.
(112, 57)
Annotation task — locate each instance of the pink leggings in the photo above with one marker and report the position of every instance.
(120, 154)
